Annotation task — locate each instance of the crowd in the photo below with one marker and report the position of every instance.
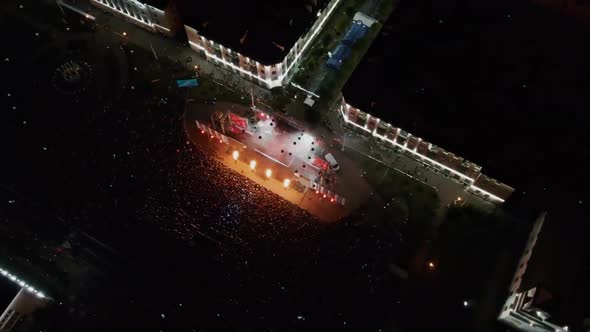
(209, 200)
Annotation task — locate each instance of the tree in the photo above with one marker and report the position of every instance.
(326, 39)
(312, 115)
(279, 98)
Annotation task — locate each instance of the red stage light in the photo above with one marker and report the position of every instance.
(324, 196)
(212, 136)
(220, 141)
(317, 191)
(202, 131)
(332, 200)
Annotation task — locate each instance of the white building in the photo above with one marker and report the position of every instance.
(447, 163)
(525, 308)
(266, 74)
(156, 16)
(25, 302)
(162, 16)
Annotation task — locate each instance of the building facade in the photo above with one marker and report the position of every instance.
(526, 307)
(26, 301)
(164, 20)
(267, 75)
(464, 171)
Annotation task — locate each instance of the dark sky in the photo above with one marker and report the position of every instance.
(7, 292)
(502, 83)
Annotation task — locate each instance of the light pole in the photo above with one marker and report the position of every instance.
(153, 51)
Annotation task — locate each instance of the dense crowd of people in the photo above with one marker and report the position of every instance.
(209, 200)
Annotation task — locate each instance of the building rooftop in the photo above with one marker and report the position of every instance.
(559, 268)
(264, 30)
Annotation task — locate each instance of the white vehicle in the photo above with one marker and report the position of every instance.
(333, 163)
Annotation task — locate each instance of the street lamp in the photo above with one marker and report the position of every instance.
(431, 265)
(235, 154)
(286, 183)
(268, 173)
(124, 33)
(252, 164)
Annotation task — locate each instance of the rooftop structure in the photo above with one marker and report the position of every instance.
(264, 30)
(155, 15)
(262, 40)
